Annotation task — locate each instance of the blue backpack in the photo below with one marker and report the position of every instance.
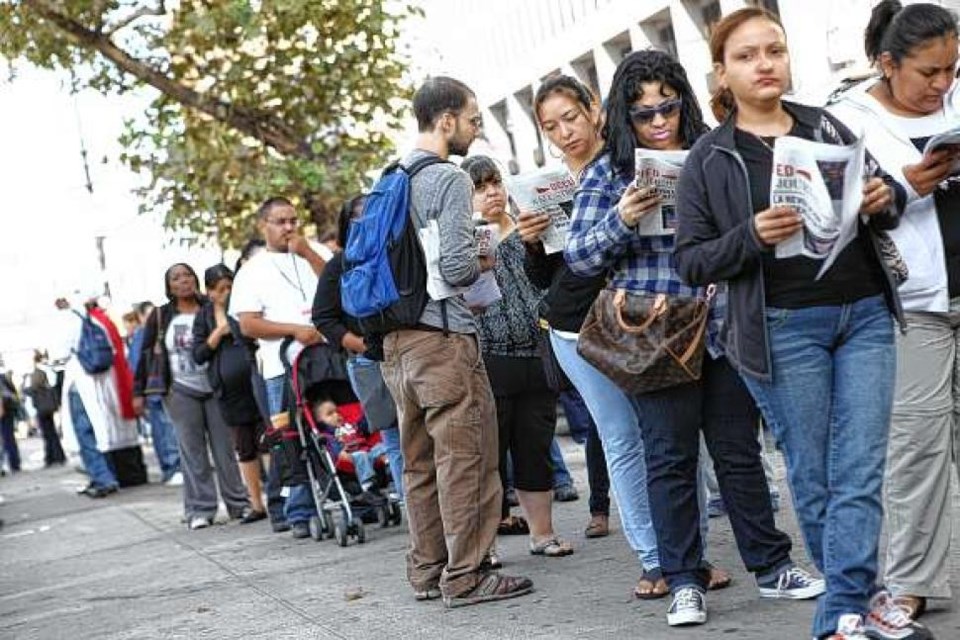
(384, 281)
(94, 350)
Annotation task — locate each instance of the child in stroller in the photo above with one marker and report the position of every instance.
(357, 454)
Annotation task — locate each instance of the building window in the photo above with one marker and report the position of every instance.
(770, 5)
(618, 47)
(659, 31)
(585, 67)
(705, 14)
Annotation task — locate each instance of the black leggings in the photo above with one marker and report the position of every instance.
(526, 420)
(245, 443)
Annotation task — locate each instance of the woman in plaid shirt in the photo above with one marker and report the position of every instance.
(652, 105)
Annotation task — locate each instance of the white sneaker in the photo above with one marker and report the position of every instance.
(887, 620)
(849, 627)
(689, 606)
(176, 480)
(199, 522)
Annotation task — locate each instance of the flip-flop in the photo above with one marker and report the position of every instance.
(513, 526)
(551, 548)
(719, 579)
(657, 586)
(913, 606)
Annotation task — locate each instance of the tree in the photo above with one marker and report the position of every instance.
(255, 98)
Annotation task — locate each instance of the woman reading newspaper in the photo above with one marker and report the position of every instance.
(652, 105)
(910, 105)
(817, 354)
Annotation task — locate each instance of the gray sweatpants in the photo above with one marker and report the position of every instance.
(200, 426)
(919, 453)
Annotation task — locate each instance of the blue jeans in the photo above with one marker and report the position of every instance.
(164, 437)
(389, 436)
(561, 475)
(619, 431)
(8, 427)
(101, 475)
(829, 405)
(299, 505)
(363, 463)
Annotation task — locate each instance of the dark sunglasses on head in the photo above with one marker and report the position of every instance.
(645, 115)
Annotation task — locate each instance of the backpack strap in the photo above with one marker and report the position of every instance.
(421, 164)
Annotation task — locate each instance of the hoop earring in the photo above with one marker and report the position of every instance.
(553, 151)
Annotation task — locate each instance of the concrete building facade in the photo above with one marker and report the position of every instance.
(505, 48)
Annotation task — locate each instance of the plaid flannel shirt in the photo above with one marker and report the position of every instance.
(599, 242)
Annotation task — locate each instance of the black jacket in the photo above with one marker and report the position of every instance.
(229, 367)
(716, 240)
(154, 335)
(569, 296)
(329, 317)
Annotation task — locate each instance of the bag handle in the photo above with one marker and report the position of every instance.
(694, 344)
(661, 305)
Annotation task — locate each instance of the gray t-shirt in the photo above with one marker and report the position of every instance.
(184, 371)
(444, 192)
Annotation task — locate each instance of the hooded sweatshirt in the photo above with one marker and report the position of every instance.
(893, 140)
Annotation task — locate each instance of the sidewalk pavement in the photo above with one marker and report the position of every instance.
(125, 567)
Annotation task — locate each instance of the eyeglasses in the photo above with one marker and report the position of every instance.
(645, 115)
(283, 222)
(476, 121)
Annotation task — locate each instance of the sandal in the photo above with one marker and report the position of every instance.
(913, 606)
(599, 527)
(651, 586)
(491, 561)
(552, 547)
(492, 586)
(513, 526)
(719, 579)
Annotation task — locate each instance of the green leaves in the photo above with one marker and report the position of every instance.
(281, 97)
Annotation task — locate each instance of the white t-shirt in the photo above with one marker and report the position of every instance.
(179, 342)
(281, 286)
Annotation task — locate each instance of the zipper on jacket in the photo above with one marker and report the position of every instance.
(763, 310)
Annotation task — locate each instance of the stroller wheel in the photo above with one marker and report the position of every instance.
(328, 526)
(340, 532)
(316, 528)
(361, 533)
(396, 514)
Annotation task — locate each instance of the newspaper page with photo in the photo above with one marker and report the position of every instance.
(946, 140)
(824, 183)
(659, 170)
(485, 291)
(550, 191)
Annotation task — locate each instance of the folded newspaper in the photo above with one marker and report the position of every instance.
(824, 183)
(946, 140)
(548, 191)
(661, 171)
(481, 293)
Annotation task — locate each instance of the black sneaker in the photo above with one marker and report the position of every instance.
(565, 493)
(300, 530)
(251, 515)
(689, 606)
(279, 526)
(94, 491)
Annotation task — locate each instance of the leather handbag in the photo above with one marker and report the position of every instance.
(644, 342)
(158, 366)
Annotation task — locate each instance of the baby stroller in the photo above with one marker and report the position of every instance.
(319, 372)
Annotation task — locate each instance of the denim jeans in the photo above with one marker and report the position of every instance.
(829, 404)
(389, 436)
(561, 475)
(164, 437)
(619, 431)
(584, 431)
(8, 428)
(363, 463)
(101, 475)
(299, 505)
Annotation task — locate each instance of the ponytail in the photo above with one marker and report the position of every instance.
(722, 104)
(898, 30)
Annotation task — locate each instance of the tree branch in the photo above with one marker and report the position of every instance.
(253, 122)
(158, 10)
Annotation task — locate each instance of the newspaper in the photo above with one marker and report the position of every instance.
(481, 293)
(946, 140)
(547, 191)
(824, 183)
(437, 287)
(661, 171)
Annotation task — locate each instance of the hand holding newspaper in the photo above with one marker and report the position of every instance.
(660, 170)
(824, 183)
(547, 191)
(946, 140)
(481, 293)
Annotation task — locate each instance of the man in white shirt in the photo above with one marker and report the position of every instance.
(272, 298)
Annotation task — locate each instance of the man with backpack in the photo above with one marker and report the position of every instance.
(433, 367)
(98, 390)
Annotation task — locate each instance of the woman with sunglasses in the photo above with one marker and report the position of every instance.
(818, 354)
(652, 105)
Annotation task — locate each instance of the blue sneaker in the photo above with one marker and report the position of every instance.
(793, 584)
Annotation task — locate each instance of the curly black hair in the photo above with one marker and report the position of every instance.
(637, 68)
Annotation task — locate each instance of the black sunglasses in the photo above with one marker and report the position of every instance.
(645, 115)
